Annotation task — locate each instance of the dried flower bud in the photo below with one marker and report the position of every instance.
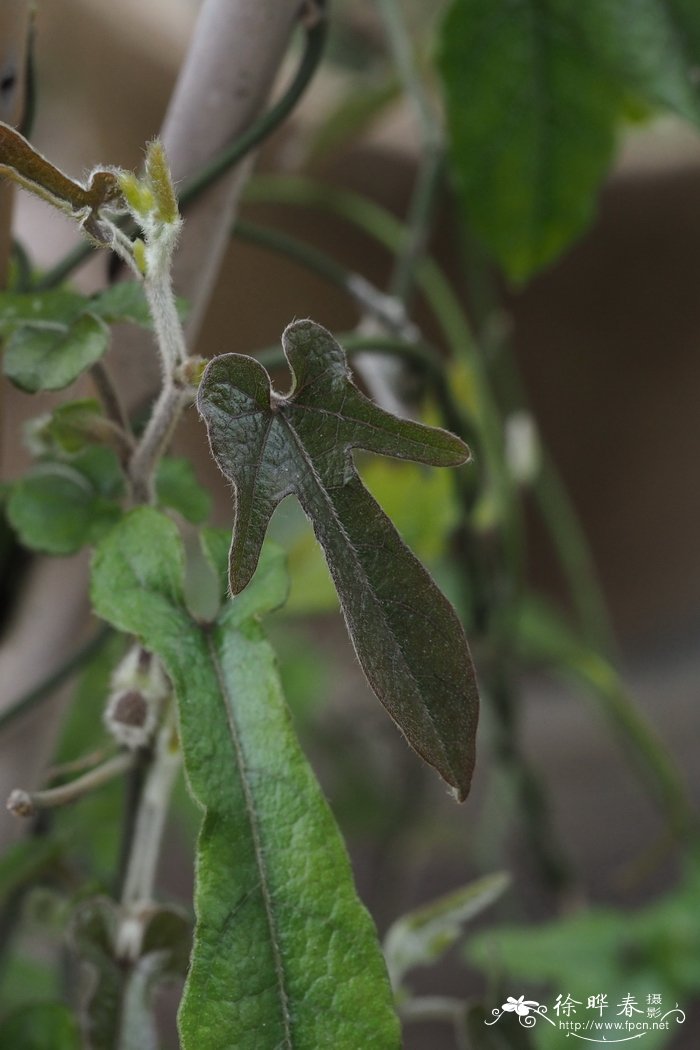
(139, 687)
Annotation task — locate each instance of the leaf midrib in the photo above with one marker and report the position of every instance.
(358, 562)
(253, 821)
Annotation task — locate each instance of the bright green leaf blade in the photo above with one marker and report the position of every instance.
(39, 309)
(423, 936)
(177, 488)
(531, 122)
(638, 43)
(56, 509)
(52, 358)
(126, 301)
(285, 955)
(407, 636)
(40, 1026)
(68, 429)
(123, 301)
(534, 95)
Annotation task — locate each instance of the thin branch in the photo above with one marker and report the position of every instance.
(147, 835)
(229, 156)
(430, 168)
(368, 297)
(264, 126)
(156, 438)
(109, 396)
(28, 803)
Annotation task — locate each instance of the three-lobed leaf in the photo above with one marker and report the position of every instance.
(285, 956)
(406, 634)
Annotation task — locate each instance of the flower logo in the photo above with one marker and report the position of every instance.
(521, 1006)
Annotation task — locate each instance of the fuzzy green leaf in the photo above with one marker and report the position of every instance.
(51, 358)
(177, 488)
(406, 634)
(39, 309)
(535, 93)
(126, 301)
(423, 936)
(57, 508)
(69, 429)
(123, 301)
(284, 955)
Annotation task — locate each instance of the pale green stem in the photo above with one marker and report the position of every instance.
(427, 182)
(28, 803)
(145, 847)
(155, 439)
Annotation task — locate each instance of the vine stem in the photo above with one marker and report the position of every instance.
(139, 881)
(430, 168)
(29, 700)
(28, 803)
(155, 439)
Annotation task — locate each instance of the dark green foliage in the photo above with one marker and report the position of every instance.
(535, 94)
(406, 634)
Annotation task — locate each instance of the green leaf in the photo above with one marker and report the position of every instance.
(58, 508)
(284, 955)
(123, 301)
(655, 949)
(126, 301)
(40, 1026)
(406, 634)
(685, 15)
(68, 429)
(424, 935)
(535, 92)
(51, 358)
(177, 488)
(39, 310)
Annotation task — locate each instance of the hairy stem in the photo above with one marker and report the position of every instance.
(153, 806)
(155, 439)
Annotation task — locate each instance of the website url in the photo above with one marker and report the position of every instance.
(614, 1026)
